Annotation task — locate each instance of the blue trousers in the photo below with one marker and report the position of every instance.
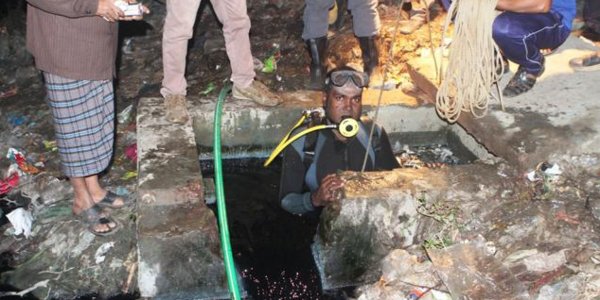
(520, 36)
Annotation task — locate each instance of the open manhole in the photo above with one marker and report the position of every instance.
(271, 246)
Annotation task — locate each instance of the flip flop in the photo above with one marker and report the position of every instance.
(93, 216)
(586, 63)
(109, 201)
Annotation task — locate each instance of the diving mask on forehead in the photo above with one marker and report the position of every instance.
(341, 77)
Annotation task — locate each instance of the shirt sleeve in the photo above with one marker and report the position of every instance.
(292, 193)
(67, 8)
(385, 158)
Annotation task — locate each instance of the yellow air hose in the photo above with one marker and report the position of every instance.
(348, 128)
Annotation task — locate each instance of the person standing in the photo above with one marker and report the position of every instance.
(365, 23)
(178, 30)
(74, 45)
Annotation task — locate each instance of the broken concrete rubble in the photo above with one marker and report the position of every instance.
(472, 216)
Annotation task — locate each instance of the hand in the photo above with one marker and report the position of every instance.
(108, 10)
(328, 191)
(145, 11)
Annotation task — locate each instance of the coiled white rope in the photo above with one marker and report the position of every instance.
(472, 63)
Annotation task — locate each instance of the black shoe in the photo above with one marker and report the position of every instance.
(370, 53)
(521, 82)
(318, 69)
(342, 8)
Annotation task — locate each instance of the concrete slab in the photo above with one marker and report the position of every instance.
(434, 208)
(178, 244)
(248, 127)
(382, 211)
(558, 116)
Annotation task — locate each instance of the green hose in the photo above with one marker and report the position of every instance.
(221, 210)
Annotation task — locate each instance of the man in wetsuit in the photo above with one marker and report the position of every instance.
(308, 177)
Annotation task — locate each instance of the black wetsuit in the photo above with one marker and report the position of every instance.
(334, 155)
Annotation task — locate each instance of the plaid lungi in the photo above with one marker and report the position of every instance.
(83, 113)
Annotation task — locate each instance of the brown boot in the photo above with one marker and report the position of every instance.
(256, 92)
(176, 110)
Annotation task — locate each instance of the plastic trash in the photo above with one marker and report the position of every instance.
(21, 220)
(15, 121)
(9, 183)
(131, 152)
(100, 255)
(270, 63)
(129, 175)
(532, 176)
(125, 114)
(127, 46)
(121, 191)
(50, 146)
(552, 170)
(19, 158)
(209, 88)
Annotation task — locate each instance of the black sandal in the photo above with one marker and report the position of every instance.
(109, 201)
(93, 216)
(520, 83)
(586, 63)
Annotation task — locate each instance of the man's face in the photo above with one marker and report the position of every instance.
(344, 101)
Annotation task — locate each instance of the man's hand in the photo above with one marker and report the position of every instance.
(109, 11)
(328, 191)
(524, 6)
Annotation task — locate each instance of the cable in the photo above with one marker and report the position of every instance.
(283, 140)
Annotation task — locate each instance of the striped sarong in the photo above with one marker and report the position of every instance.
(83, 113)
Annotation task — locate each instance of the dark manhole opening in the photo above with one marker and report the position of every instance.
(271, 246)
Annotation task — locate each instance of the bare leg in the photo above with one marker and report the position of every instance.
(98, 193)
(83, 201)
